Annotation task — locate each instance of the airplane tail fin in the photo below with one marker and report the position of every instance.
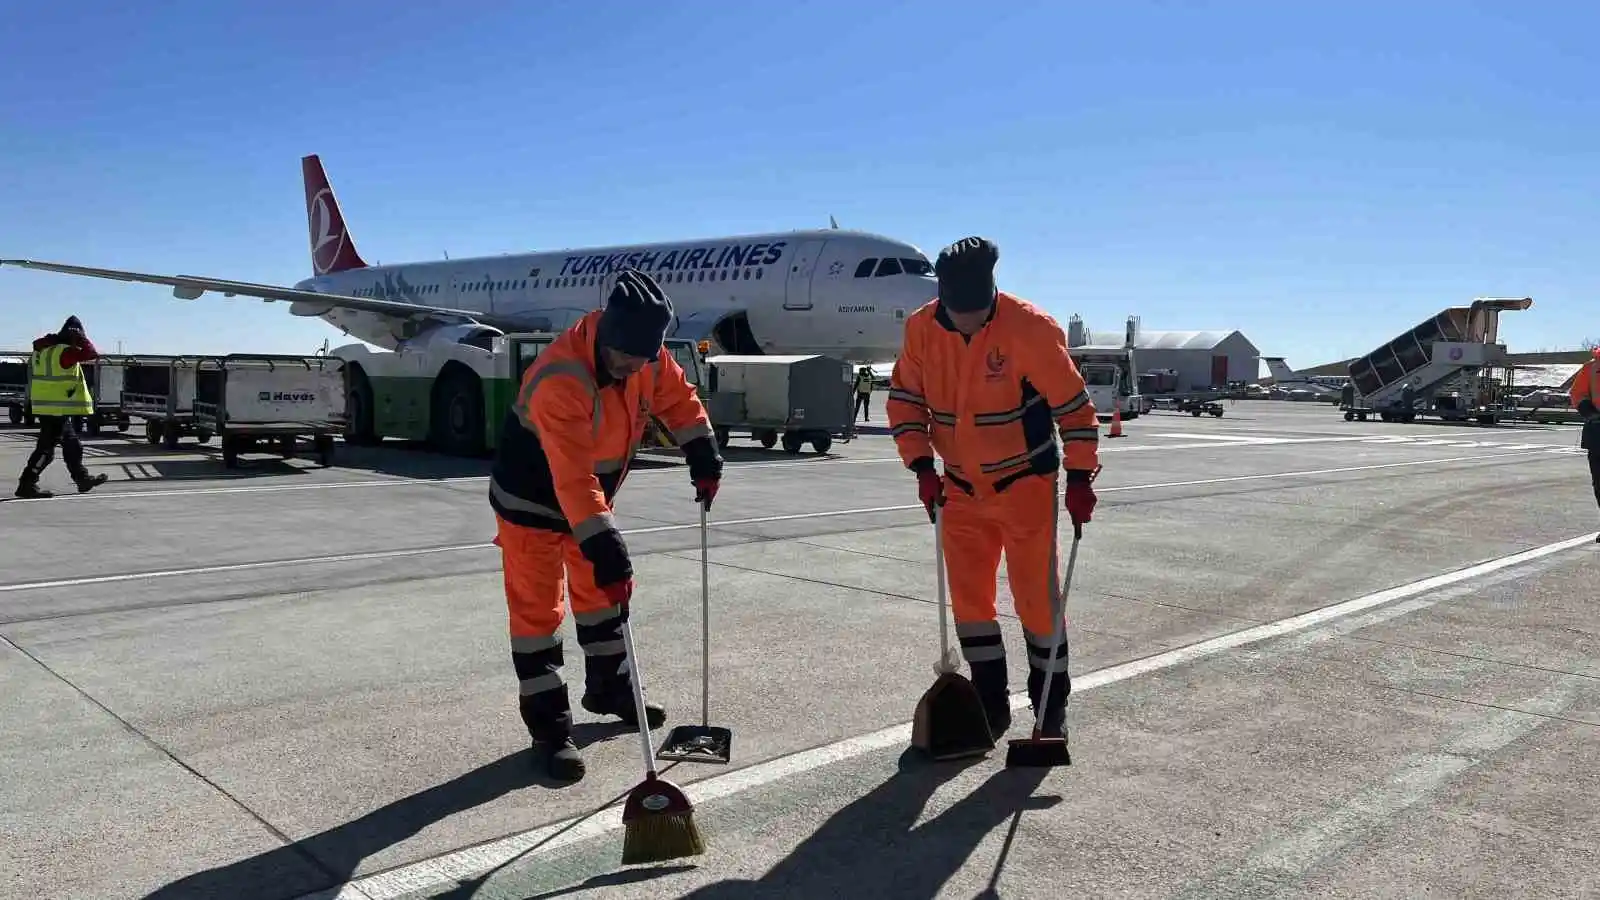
(332, 250)
(1278, 369)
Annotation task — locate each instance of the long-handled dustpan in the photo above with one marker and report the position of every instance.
(1036, 750)
(950, 722)
(701, 743)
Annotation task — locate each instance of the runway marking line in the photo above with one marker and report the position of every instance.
(657, 529)
(1217, 442)
(450, 868)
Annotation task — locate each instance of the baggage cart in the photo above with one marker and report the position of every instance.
(795, 399)
(159, 390)
(14, 386)
(105, 376)
(249, 399)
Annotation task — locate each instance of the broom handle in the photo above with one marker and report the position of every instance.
(705, 620)
(1060, 610)
(638, 699)
(938, 563)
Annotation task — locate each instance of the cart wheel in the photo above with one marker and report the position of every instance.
(324, 445)
(14, 413)
(170, 435)
(122, 427)
(1216, 413)
(792, 442)
(769, 439)
(821, 443)
(286, 446)
(203, 435)
(1195, 413)
(230, 453)
(92, 427)
(1349, 416)
(152, 433)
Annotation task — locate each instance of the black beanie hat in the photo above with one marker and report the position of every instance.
(72, 324)
(965, 271)
(636, 317)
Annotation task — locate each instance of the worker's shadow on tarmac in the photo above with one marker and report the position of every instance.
(873, 847)
(332, 857)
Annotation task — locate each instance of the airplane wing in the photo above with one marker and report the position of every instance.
(191, 287)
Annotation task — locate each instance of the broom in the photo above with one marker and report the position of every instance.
(1037, 751)
(658, 819)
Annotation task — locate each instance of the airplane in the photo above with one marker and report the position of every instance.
(1321, 386)
(833, 291)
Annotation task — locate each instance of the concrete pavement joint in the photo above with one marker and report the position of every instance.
(453, 867)
(150, 742)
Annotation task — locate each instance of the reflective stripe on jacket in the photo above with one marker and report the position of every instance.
(989, 406)
(568, 439)
(54, 390)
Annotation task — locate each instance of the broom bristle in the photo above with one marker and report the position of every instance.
(661, 837)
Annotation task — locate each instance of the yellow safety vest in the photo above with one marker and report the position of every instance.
(57, 391)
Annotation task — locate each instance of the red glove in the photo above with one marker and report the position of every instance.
(705, 490)
(930, 489)
(618, 592)
(1080, 501)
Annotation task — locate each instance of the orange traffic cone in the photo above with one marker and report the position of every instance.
(1116, 422)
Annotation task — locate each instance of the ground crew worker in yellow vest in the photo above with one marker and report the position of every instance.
(863, 393)
(58, 391)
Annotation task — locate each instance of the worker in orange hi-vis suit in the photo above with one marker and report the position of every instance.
(565, 446)
(1585, 393)
(984, 380)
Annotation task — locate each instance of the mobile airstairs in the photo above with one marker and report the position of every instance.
(1442, 366)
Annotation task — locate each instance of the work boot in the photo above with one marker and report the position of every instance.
(1055, 717)
(989, 677)
(615, 698)
(29, 490)
(90, 482)
(548, 716)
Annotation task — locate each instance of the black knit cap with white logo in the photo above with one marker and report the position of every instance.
(636, 316)
(965, 271)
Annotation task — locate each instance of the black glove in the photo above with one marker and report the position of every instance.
(1586, 408)
(705, 469)
(609, 556)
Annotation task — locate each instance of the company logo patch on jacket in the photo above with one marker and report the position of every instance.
(996, 363)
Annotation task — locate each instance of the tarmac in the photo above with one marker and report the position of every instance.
(1311, 658)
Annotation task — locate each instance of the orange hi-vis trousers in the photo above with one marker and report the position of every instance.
(1020, 522)
(541, 569)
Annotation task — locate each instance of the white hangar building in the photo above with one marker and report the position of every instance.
(1201, 359)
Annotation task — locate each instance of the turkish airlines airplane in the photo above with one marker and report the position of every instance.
(827, 291)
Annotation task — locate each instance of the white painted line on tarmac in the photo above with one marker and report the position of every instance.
(657, 529)
(473, 861)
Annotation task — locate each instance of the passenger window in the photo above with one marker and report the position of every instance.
(865, 269)
(888, 266)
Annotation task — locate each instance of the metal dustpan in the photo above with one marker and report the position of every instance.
(703, 743)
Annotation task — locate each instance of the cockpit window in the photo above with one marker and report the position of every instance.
(1098, 375)
(917, 266)
(887, 266)
(865, 269)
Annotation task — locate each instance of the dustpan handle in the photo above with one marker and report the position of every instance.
(945, 663)
(705, 619)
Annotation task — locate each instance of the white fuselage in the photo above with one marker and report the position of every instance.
(834, 292)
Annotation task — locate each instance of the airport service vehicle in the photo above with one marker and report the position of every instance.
(1108, 372)
(452, 396)
(798, 399)
(1437, 368)
(105, 377)
(159, 391)
(248, 399)
(831, 291)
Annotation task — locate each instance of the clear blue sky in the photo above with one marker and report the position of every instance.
(1319, 177)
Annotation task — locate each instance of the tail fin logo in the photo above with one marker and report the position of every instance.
(327, 232)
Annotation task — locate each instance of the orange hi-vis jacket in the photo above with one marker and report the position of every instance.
(571, 434)
(1586, 384)
(989, 406)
